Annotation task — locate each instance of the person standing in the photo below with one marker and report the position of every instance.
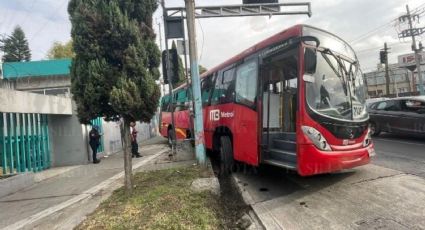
(134, 145)
(94, 142)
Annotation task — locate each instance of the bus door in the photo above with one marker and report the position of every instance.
(279, 97)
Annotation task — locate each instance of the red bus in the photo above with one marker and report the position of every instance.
(295, 100)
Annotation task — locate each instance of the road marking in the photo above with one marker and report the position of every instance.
(401, 142)
(86, 194)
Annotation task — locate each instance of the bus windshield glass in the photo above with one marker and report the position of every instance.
(336, 88)
(330, 41)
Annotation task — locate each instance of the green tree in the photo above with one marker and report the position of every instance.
(181, 72)
(15, 47)
(116, 64)
(59, 50)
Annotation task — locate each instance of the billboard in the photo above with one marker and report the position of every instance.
(408, 60)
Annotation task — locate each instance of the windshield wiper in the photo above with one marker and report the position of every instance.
(337, 72)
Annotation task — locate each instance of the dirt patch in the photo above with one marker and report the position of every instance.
(235, 207)
(163, 200)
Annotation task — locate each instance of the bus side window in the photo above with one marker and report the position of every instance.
(179, 99)
(246, 83)
(228, 86)
(206, 86)
(217, 91)
(165, 103)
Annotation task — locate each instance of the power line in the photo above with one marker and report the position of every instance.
(381, 27)
(379, 47)
(45, 24)
(203, 39)
(28, 12)
(361, 37)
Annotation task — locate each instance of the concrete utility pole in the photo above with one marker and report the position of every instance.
(196, 86)
(412, 32)
(387, 76)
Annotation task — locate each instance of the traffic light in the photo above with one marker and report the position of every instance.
(383, 56)
(172, 75)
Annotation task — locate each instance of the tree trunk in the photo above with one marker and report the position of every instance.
(128, 166)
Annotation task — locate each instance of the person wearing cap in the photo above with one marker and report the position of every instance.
(94, 142)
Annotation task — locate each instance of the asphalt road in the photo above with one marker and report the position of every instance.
(402, 153)
(389, 193)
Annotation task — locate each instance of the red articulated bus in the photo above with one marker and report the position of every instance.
(295, 100)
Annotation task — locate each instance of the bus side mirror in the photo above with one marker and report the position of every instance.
(310, 61)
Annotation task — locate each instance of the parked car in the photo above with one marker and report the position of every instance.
(370, 101)
(399, 115)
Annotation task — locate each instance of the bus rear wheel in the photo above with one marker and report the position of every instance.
(226, 156)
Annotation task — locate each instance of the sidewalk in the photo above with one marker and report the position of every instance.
(367, 197)
(56, 203)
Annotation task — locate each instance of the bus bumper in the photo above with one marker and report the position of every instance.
(313, 161)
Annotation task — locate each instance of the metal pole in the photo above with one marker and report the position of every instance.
(196, 89)
(417, 56)
(160, 48)
(187, 77)
(387, 76)
(184, 50)
(170, 85)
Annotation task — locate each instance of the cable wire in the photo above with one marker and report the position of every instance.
(203, 40)
(383, 26)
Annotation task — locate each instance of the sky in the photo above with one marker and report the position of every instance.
(365, 24)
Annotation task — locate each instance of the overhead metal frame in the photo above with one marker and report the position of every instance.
(267, 9)
(411, 32)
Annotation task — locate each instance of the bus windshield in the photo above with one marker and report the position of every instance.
(336, 89)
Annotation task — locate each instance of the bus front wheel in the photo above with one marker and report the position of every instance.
(374, 130)
(226, 155)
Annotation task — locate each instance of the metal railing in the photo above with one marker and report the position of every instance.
(24, 142)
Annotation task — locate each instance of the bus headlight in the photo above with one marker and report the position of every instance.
(316, 137)
(368, 139)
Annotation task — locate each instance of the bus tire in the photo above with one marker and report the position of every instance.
(170, 137)
(374, 130)
(226, 155)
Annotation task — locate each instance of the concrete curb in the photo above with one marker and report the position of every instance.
(83, 196)
(24, 180)
(247, 198)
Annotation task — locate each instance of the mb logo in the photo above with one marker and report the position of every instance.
(214, 115)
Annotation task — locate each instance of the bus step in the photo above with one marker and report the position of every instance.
(285, 145)
(290, 136)
(283, 155)
(287, 165)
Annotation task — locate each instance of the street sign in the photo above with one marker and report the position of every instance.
(408, 60)
(174, 28)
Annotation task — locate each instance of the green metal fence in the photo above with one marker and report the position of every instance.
(98, 122)
(24, 142)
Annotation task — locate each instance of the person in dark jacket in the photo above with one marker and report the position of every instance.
(94, 142)
(134, 145)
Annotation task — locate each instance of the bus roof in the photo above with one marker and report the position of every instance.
(289, 32)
